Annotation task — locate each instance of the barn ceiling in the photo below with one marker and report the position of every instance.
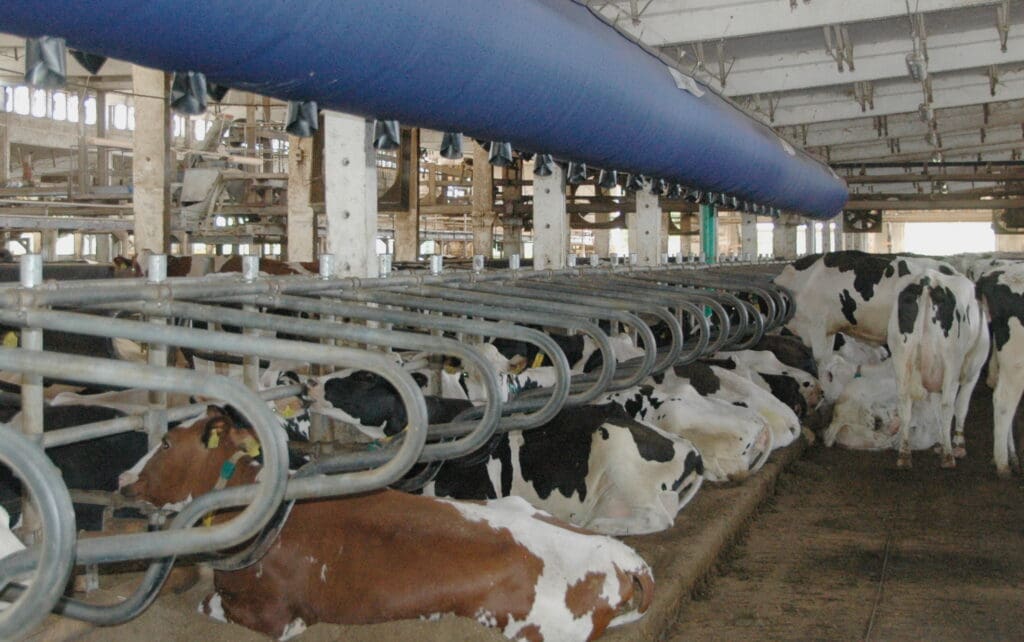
(833, 75)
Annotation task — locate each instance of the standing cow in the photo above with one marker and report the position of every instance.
(387, 555)
(939, 345)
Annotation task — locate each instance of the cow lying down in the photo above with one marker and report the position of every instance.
(388, 555)
(591, 466)
(866, 414)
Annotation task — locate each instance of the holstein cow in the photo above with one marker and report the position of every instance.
(789, 350)
(9, 543)
(592, 466)
(939, 345)
(733, 441)
(848, 291)
(1002, 298)
(796, 388)
(866, 415)
(387, 555)
(88, 465)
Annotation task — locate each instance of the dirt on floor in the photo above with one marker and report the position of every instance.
(852, 548)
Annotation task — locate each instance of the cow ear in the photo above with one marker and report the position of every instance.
(420, 379)
(215, 429)
(214, 411)
(243, 439)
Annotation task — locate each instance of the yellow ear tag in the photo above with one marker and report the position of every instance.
(450, 369)
(213, 441)
(538, 361)
(288, 411)
(208, 520)
(251, 447)
(11, 340)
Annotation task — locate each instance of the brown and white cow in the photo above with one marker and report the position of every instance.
(387, 555)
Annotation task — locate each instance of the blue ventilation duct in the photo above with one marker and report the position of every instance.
(544, 75)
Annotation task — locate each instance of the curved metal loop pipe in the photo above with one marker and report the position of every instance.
(626, 301)
(531, 420)
(475, 435)
(622, 285)
(42, 481)
(566, 322)
(526, 299)
(415, 406)
(266, 494)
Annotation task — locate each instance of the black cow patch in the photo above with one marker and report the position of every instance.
(838, 342)
(728, 364)
(803, 263)
(790, 351)
(701, 377)
(368, 397)
(908, 303)
(741, 404)
(945, 269)
(1003, 304)
(902, 268)
(868, 269)
(944, 306)
(572, 346)
(651, 445)
(787, 390)
(849, 306)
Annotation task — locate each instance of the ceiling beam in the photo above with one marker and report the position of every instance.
(876, 202)
(665, 22)
(949, 90)
(914, 146)
(917, 177)
(803, 70)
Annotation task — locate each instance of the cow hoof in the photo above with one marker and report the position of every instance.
(959, 452)
(948, 461)
(903, 463)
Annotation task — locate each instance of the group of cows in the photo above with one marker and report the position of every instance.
(534, 556)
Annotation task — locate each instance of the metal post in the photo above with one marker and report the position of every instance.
(31, 392)
(709, 233)
(155, 420)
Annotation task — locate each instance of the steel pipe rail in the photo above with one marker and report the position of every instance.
(415, 406)
(566, 322)
(56, 553)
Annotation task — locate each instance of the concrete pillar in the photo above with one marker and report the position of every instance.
(663, 240)
(83, 184)
(103, 245)
(602, 238)
(49, 245)
(748, 234)
(729, 238)
(301, 221)
(826, 236)
(784, 239)
(78, 238)
(512, 236)
(102, 153)
(407, 221)
(809, 235)
(842, 242)
(483, 214)
(350, 181)
(1009, 242)
(5, 148)
(151, 163)
(646, 229)
(550, 221)
(897, 237)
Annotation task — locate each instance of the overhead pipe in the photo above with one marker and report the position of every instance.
(527, 76)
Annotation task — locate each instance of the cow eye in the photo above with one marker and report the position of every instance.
(164, 443)
(830, 377)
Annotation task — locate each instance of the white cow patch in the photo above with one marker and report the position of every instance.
(9, 544)
(213, 606)
(294, 628)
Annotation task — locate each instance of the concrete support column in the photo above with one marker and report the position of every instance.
(102, 153)
(602, 238)
(1009, 242)
(512, 236)
(748, 234)
(784, 239)
(665, 227)
(897, 237)
(646, 229)
(550, 221)
(5, 148)
(407, 221)
(350, 177)
(78, 239)
(842, 242)
(483, 215)
(49, 245)
(301, 221)
(729, 238)
(103, 245)
(826, 236)
(151, 163)
(809, 236)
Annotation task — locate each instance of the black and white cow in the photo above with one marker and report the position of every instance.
(592, 466)
(88, 465)
(939, 344)
(789, 350)
(1002, 297)
(848, 291)
(734, 441)
(796, 388)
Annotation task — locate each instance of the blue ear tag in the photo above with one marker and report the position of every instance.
(227, 470)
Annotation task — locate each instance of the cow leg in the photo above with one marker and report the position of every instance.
(1004, 406)
(970, 373)
(903, 460)
(947, 418)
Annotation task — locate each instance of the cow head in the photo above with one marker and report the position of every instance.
(188, 461)
(860, 426)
